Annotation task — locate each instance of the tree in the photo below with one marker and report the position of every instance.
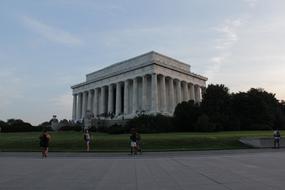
(186, 115)
(282, 106)
(216, 104)
(17, 125)
(203, 124)
(280, 116)
(3, 124)
(255, 109)
(150, 123)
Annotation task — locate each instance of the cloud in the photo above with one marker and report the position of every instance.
(228, 37)
(251, 3)
(229, 34)
(51, 33)
(252, 57)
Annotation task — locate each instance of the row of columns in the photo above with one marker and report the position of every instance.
(158, 93)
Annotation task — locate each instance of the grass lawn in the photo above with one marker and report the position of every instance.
(73, 141)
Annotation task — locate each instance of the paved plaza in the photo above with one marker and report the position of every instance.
(241, 169)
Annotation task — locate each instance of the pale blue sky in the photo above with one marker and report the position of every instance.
(47, 46)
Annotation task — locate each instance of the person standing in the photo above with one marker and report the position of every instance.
(44, 143)
(87, 139)
(276, 136)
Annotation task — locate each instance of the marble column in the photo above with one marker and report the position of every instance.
(103, 100)
(126, 97)
(89, 101)
(79, 107)
(186, 91)
(198, 93)
(171, 95)
(110, 99)
(74, 108)
(144, 87)
(118, 99)
(84, 103)
(95, 102)
(192, 92)
(178, 91)
(135, 100)
(154, 98)
(163, 95)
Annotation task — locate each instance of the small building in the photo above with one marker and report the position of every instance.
(151, 83)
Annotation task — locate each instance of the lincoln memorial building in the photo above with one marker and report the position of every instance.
(147, 84)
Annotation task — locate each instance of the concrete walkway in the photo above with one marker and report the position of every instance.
(240, 169)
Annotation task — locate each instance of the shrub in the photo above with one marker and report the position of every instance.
(17, 125)
(117, 129)
(151, 123)
(203, 124)
(75, 127)
(186, 115)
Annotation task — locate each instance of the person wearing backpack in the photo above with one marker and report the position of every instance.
(276, 136)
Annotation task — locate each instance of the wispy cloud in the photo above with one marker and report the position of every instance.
(251, 3)
(228, 37)
(51, 33)
(228, 33)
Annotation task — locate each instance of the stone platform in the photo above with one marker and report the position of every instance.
(261, 142)
(242, 169)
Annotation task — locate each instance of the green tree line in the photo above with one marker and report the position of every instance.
(220, 110)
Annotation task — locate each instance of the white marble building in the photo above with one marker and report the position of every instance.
(150, 83)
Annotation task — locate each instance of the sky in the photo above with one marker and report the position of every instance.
(47, 46)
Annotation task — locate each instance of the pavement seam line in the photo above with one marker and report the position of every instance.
(202, 174)
(136, 175)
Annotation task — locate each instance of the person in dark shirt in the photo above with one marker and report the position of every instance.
(44, 143)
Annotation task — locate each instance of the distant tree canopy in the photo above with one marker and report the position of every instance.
(219, 110)
(216, 104)
(216, 99)
(151, 124)
(18, 125)
(282, 106)
(186, 115)
(15, 125)
(255, 109)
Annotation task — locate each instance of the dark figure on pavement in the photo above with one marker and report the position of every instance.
(44, 143)
(138, 143)
(276, 136)
(133, 140)
(87, 139)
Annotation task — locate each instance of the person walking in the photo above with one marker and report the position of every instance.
(276, 136)
(138, 143)
(133, 140)
(44, 143)
(87, 139)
